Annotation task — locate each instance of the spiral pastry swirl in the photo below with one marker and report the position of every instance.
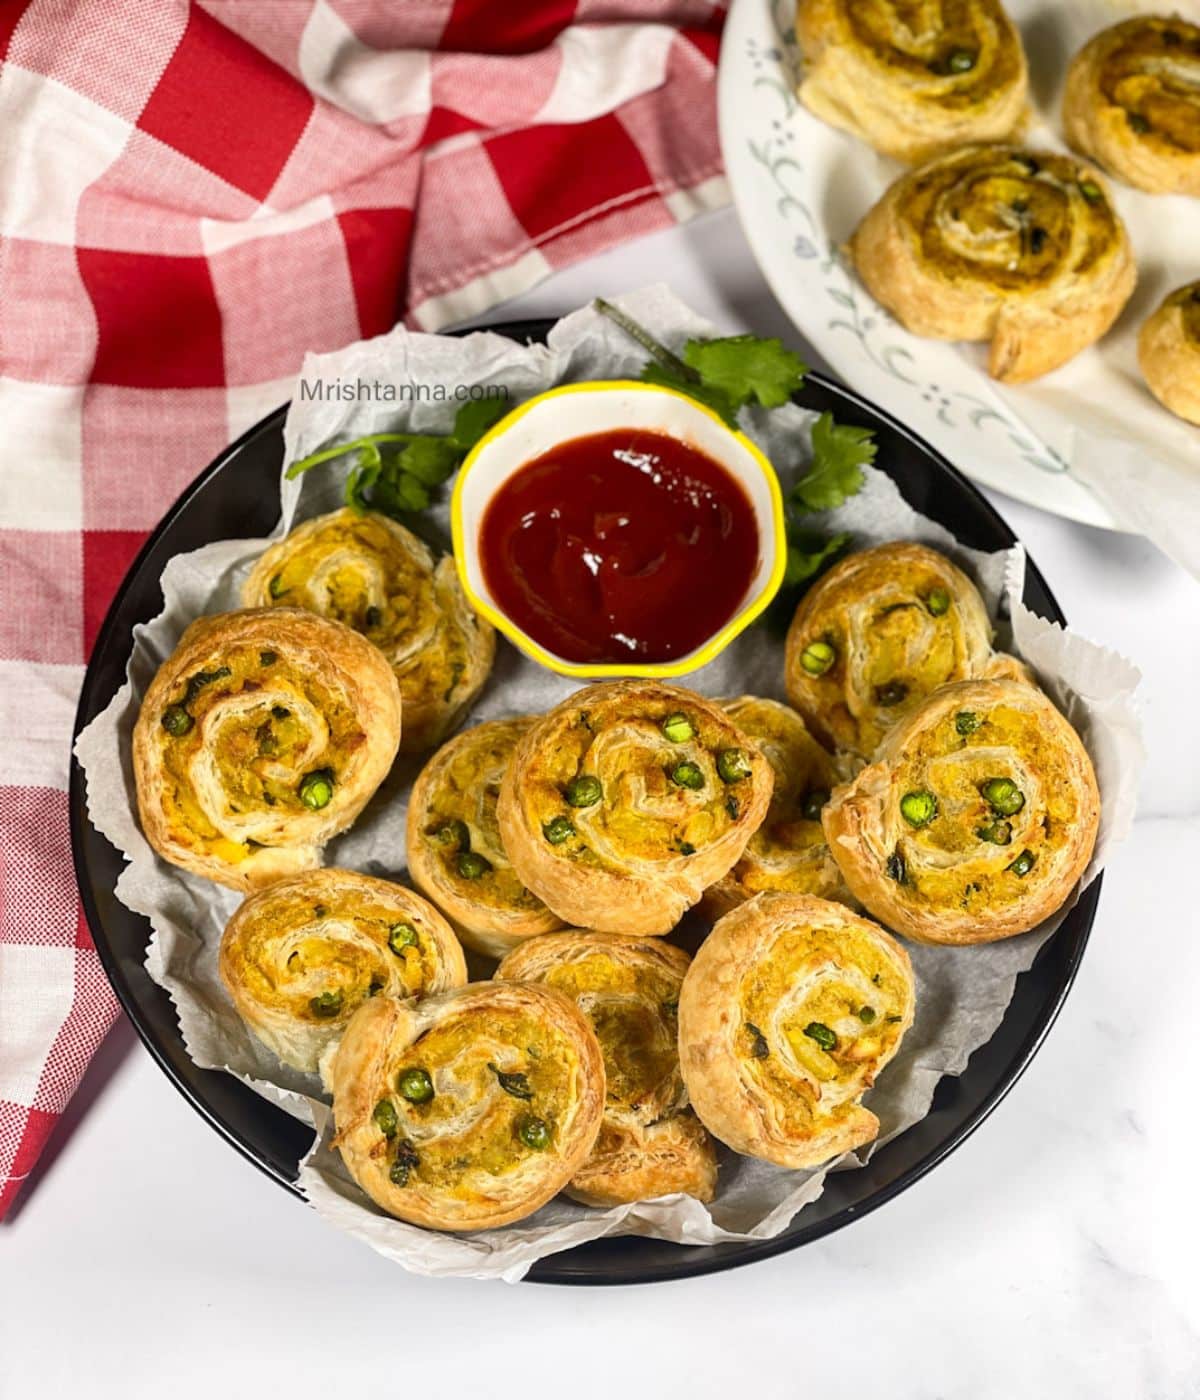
(913, 78)
(1169, 352)
(300, 957)
(997, 244)
(626, 801)
(1132, 103)
(467, 1110)
(878, 633)
(650, 1143)
(976, 820)
(788, 851)
(455, 854)
(375, 576)
(263, 735)
(788, 1012)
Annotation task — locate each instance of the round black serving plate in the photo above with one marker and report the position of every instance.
(236, 497)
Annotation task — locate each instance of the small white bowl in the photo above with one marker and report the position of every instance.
(580, 410)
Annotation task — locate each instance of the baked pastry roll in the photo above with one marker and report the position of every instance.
(993, 243)
(1169, 352)
(379, 578)
(299, 958)
(263, 735)
(878, 633)
(455, 854)
(1132, 102)
(624, 802)
(789, 1011)
(976, 819)
(650, 1143)
(788, 851)
(912, 84)
(470, 1109)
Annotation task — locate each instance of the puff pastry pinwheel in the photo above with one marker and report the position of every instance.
(1169, 352)
(377, 577)
(650, 1144)
(876, 634)
(455, 854)
(300, 957)
(993, 243)
(913, 79)
(788, 851)
(789, 1011)
(976, 819)
(263, 735)
(624, 802)
(470, 1109)
(1132, 102)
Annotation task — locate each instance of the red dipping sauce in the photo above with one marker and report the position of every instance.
(622, 546)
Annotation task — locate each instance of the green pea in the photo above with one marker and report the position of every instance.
(813, 803)
(1091, 191)
(176, 721)
(998, 833)
(557, 830)
(534, 1133)
(401, 936)
(275, 587)
(1003, 795)
(1023, 864)
(406, 1162)
(415, 1085)
(891, 693)
(686, 848)
(373, 617)
(967, 722)
(824, 1037)
(818, 657)
(268, 658)
(866, 1014)
(472, 866)
(687, 775)
(1137, 123)
(960, 60)
(678, 729)
(759, 1047)
(583, 791)
(733, 765)
(938, 602)
(896, 869)
(327, 1004)
(385, 1118)
(453, 834)
(918, 808)
(316, 789)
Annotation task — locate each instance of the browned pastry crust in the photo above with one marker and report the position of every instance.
(650, 1143)
(1023, 249)
(976, 820)
(268, 703)
(1169, 353)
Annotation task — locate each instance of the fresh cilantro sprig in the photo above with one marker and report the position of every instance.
(396, 473)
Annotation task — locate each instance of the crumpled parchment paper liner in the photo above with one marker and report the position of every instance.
(962, 993)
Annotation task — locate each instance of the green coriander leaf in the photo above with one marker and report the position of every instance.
(840, 451)
(398, 492)
(430, 459)
(474, 419)
(363, 475)
(747, 368)
(712, 396)
(809, 555)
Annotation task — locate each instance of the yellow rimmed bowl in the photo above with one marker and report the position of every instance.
(582, 410)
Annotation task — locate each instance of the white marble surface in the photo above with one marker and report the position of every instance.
(1053, 1255)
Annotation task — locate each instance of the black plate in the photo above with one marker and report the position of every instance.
(236, 497)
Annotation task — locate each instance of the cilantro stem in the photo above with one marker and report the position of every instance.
(328, 453)
(667, 358)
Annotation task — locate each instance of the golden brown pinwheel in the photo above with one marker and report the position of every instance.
(912, 80)
(1022, 249)
(1169, 352)
(300, 957)
(372, 574)
(1132, 103)
(788, 851)
(878, 633)
(467, 1110)
(455, 854)
(627, 800)
(650, 1143)
(976, 820)
(788, 1013)
(262, 735)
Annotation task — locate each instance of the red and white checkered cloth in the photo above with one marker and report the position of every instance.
(190, 198)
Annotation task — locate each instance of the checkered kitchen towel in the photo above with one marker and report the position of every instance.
(190, 198)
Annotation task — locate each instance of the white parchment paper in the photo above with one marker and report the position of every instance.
(962, 993)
